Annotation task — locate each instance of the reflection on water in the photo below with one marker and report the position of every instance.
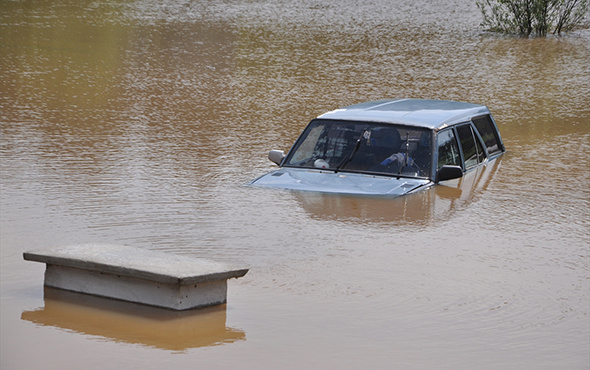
(133, 323)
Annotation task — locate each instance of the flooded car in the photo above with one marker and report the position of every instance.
(387, 147)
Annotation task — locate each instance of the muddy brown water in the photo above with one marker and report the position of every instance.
(140, 122)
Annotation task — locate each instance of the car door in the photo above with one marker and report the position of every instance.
(448, 149)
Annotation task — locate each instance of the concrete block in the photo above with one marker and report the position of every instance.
(137, 275)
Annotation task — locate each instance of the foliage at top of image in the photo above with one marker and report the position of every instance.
(532, 17)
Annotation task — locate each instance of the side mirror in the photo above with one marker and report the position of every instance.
(276, 156)
(448, 172)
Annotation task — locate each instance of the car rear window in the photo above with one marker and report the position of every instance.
(488, 133)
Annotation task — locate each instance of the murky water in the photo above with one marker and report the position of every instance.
(139, 123)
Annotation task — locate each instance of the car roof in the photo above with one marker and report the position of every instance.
(431, 114)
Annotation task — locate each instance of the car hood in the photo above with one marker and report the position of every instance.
(342, 182)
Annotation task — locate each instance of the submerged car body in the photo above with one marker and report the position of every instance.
(387, 147)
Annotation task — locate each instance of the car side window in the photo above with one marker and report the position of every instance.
(488, 133)
(472, 150)
(448, 150)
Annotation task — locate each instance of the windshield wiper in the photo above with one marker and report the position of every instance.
(348, 158)
(406, 155)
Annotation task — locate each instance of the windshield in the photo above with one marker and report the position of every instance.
(363, 147)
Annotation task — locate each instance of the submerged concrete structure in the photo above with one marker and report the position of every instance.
(137, 275)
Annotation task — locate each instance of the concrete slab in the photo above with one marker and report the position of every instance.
(138, 275)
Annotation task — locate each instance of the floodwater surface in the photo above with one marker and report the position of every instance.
(141, 122)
